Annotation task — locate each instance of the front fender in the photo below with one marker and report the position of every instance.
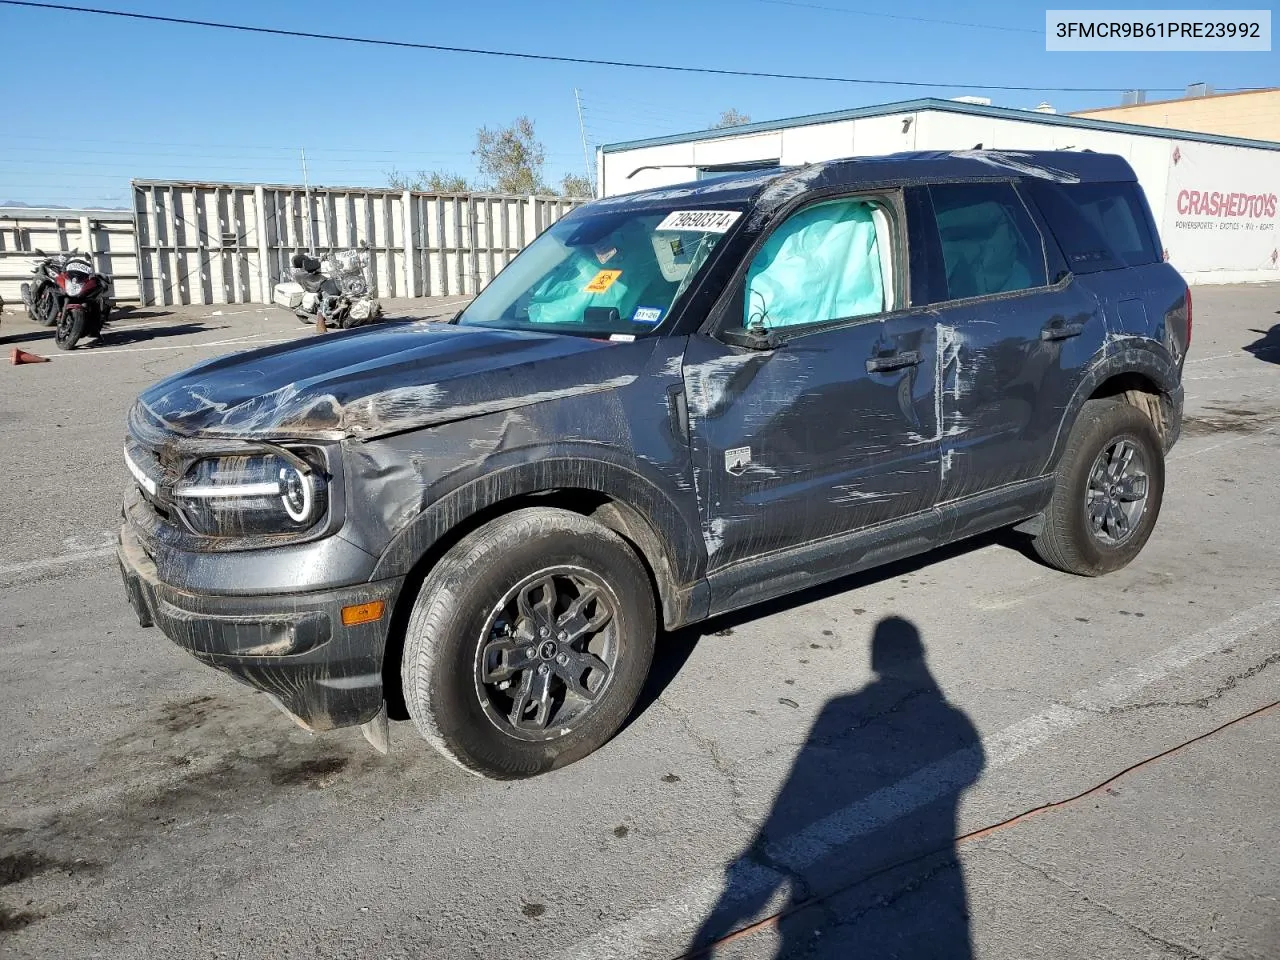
(671, 529)
(1127, 355)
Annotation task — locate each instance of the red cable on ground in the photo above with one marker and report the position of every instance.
(978, 834)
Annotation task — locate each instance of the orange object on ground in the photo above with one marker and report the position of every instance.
(21, 356)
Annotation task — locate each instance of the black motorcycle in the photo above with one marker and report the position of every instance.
(67, 293)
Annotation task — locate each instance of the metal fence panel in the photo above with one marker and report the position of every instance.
(198, 243)
(106, 235)
(231, 243)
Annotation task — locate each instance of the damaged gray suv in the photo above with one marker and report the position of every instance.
(673, 404)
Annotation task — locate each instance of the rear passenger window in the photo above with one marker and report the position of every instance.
(990, 244)
(827, 262)
(1101, 226)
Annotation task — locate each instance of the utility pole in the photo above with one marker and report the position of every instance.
(311, 226)
(586, 154)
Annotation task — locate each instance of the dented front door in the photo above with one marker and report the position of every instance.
(833, 431)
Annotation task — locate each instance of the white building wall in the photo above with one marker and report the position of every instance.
(1205, 249)
(821, 141)
(877, 136)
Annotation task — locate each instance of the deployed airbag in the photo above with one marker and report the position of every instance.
(821, 264)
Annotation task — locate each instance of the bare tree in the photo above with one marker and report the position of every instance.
(730, 118)
(511, 158)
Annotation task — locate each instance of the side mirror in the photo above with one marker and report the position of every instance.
(755, 337)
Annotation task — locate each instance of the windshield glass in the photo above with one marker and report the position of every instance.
(613, 272)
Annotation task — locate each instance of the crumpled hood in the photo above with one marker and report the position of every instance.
(378, 380)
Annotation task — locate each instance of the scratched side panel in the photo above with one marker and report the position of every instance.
(1003, 389)
(800, 443)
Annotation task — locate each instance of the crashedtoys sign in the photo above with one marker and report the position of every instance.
(1222, 215)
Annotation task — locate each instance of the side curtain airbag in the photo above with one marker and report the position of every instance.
(822, 264)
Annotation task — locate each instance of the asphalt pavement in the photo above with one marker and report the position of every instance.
(967, 755)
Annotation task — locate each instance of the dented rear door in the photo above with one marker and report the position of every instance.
(1014, 333)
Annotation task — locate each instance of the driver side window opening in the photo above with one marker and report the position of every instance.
(827, 262)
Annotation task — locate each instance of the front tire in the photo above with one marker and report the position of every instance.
(529, 643)
(1108, 491)
(71, 327)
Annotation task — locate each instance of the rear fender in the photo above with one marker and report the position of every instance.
(1125, 355)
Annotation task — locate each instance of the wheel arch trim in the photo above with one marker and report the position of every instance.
(632, 506)
(1146, 358)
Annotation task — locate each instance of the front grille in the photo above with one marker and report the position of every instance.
(153, 462)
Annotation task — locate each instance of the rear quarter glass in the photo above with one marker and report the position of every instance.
(1099, 226)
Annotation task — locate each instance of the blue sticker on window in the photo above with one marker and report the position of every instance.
(647, 315)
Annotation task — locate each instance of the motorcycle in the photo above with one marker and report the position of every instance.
(334, 289)
(67, 293)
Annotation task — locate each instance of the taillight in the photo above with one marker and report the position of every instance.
(1188, 346)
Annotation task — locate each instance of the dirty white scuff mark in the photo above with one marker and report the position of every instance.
(290, 410)
(784, 189)
(850, 494)
(706, 381)
(208, 403)
(1019, 162)
(946, 461)
(947, 363)
(673, 366)
(410, 407)
(713, 535)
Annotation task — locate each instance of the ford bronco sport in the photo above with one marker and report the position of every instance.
(672, 404)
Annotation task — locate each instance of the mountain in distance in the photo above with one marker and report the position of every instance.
(30, 206)
(100, 205)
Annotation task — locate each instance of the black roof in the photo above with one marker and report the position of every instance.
(778, 184)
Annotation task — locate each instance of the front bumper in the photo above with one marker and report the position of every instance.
(293, 647)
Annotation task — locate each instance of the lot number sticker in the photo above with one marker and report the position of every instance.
(602, 281)
(704, 221)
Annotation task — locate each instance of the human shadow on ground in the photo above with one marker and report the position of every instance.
(1268, 346)
(857, 856)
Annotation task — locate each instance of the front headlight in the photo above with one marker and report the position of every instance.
(253, 495)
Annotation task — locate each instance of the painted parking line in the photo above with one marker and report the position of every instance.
(252, 340)
(49, 563)
(680, 913)
(1184, 454)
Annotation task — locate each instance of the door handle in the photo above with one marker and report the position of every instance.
(1061, 331)
(893, 361)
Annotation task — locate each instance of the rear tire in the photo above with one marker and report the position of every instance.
(45, 309)
(1101, 516)
(481, 646)
(71, 327)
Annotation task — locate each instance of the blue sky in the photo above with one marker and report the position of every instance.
(93, 101)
